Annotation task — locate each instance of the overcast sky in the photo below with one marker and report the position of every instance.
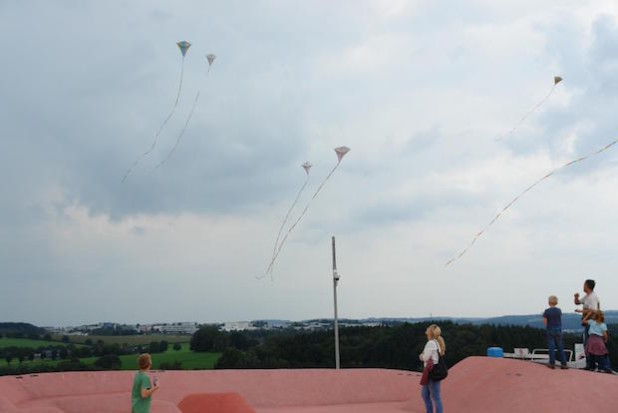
(419, 90)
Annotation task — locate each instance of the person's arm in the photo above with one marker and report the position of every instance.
(428, 350)
(545, 321)
(576, 300)
(148, 391)
(605, 337)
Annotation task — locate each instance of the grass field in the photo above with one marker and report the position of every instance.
(188, 359)
(130, 340)
(26, 342)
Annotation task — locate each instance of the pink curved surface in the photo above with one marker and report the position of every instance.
(215, 402)
(477, 384)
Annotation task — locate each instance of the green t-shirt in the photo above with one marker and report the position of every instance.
(139, 405)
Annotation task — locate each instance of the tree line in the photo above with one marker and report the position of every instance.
(394, 346)
(69, 355)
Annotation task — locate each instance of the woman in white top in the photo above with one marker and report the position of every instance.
(434, 349)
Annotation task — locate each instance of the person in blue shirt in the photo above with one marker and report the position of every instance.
(596, 347)
(552, 318)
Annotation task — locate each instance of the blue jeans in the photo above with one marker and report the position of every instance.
(431, 392)
(554, 336)
(601, 361)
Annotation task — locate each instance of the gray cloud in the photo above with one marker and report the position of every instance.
(418, 90)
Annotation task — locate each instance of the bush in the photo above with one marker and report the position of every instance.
(71, 365)
(168, 365)
(232, 358)
(109, 362)
(204, 339)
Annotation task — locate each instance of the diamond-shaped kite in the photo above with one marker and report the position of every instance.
(183, 46)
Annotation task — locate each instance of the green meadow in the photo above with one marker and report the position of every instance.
(188, 359)
(26, 342)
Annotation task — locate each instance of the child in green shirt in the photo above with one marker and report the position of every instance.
(142, 389)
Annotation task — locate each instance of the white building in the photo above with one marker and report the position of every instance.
(176, 328)
(237, 326)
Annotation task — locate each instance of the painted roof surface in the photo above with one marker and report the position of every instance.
(477, 384)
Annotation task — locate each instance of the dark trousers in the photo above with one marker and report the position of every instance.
(600, 362)
(588, 358)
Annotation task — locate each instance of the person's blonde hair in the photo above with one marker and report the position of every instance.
(552, 300)
(144, 361)
(599, 316)
(436, 334)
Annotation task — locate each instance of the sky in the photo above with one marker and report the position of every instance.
(419, 90)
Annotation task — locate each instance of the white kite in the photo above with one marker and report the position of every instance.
(557, 79)
(341, 152)
(184, 47)
(210, 58)
(499, 214)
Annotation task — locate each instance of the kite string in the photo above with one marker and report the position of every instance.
(524, 192)
(272, 261)
(169, 116)
(530, 112)
(288, 214)
(182, 132)
(184, 128)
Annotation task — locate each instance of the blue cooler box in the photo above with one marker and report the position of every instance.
(495, 352)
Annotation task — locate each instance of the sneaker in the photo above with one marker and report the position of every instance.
(551, 366)
(564, 367)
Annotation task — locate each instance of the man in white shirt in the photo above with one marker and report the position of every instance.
(590, 300)
(591, 304)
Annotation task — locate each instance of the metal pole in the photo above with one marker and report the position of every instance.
(335, 282)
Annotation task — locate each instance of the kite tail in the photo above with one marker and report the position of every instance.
(169, 116)
(530, 112)
(272, 262)
(182, 132)
(522, 193)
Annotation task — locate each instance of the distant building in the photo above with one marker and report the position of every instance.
(54, 330)
(144, 328)
(270, 324)
(175, 328)
(238, 326)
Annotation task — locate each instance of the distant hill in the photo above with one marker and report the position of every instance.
(24, 329)
(570, 321)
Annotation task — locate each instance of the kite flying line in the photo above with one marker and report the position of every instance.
(210, 58)
(583, 158)
(183, 46)
(340, 151)
(557, 79)
(307, 167)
